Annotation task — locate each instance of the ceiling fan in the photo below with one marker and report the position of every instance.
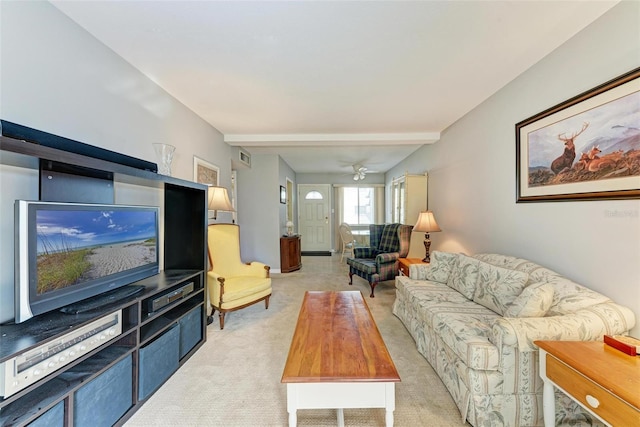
(359, 172)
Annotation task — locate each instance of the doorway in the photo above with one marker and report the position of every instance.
(314, 222)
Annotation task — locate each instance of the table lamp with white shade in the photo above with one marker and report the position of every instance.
(427, 224)
(218, 200)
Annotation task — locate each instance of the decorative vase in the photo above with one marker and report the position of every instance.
(165, 156)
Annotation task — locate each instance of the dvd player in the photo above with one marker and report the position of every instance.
(157, 303)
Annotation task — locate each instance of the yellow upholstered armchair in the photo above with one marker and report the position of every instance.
(233, 285)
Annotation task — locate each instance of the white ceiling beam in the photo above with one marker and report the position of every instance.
(335, 139)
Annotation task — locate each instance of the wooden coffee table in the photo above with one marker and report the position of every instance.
(337, 358)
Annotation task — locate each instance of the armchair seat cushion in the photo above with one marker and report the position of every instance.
(246, 300)
(236, 288)
(368, 266)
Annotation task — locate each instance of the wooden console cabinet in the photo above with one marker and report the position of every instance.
(290, 258)
(123, 371)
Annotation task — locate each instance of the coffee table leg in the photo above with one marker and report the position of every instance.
(389, 418)
(390, 397)
(292, 405)
(340, 417)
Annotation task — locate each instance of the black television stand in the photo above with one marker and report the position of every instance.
(101, 300)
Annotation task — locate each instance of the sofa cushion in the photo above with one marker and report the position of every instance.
(464, 275)
(498, 287)
(536, 272)
(568, 297)
(466, 330)
(440, 267)
(463, 325)
(534, 301)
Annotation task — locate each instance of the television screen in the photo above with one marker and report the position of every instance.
(66, 252)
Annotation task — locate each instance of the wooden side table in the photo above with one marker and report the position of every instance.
(406, 262)
(603, 380)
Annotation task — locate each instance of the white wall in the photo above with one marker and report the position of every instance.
(285, 172)
(259, 210)
(472, 172)
(56, 77)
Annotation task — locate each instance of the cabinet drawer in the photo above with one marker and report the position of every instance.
(591, 395)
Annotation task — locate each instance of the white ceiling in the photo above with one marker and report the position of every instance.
(329, 84)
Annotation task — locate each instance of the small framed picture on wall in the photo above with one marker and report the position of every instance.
(205, 172)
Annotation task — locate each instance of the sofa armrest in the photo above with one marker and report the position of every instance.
(387, 257)
(256, 268)
(364, 252)
(418, 271)
(587, 324)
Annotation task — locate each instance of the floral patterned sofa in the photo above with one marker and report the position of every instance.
(475, 320)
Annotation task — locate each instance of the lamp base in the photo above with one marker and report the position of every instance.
(427, 245)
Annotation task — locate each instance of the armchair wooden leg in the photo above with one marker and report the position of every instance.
(350, 278)
(210, 317)
(373, 286)
(266, 302)
(221, 315)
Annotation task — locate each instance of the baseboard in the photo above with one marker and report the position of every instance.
(315, 253)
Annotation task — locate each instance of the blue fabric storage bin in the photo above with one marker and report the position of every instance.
(106, 398)
(190, 330)
(158, 360)
(54, 417)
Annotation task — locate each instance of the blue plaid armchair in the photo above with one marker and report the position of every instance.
(379, 261)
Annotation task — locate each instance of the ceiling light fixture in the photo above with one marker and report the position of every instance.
(359, 172)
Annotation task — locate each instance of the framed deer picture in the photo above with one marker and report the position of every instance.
(586, 148)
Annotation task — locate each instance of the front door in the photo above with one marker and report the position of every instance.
(313, 210)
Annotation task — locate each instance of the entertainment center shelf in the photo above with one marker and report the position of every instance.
(161, 327)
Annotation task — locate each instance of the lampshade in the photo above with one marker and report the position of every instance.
(426, 223)
(219, 200)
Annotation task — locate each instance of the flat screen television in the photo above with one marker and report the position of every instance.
(67, 252)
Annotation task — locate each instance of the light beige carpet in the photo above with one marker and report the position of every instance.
(234, 379)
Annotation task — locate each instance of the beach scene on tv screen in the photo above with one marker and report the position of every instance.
(76, 246)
